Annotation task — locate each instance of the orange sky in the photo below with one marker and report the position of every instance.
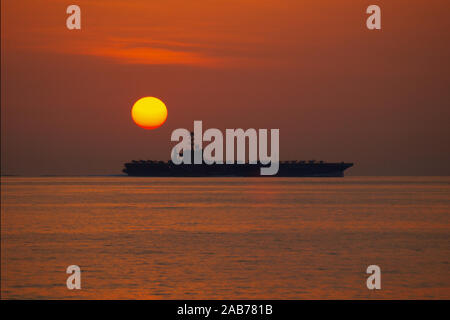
(336, 91)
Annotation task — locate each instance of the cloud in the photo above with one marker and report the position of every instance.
(151, 55)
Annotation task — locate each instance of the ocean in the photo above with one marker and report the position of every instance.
(225, 238)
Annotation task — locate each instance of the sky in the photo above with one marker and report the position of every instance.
(336, 90)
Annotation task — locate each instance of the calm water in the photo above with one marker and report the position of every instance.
(160, 238)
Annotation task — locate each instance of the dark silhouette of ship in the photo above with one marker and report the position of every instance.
(311, 168)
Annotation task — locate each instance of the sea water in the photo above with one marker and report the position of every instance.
(225, 238)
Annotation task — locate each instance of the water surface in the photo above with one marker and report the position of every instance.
(225, 238)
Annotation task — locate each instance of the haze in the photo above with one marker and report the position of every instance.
(336, 91)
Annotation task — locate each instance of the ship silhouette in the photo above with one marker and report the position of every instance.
(311, 168)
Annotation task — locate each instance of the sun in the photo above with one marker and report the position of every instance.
(149, 113)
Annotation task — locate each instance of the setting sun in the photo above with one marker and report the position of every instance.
(149, 113)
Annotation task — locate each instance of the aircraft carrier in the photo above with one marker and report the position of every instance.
(311, 168)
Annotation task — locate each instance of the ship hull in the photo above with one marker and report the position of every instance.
(167, 169)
